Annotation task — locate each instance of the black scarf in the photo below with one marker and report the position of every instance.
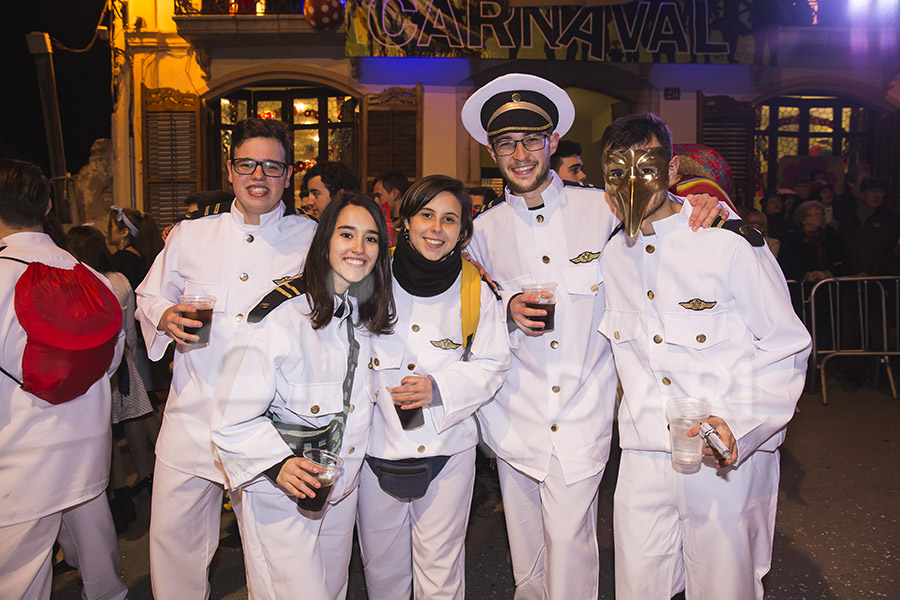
(420, 276)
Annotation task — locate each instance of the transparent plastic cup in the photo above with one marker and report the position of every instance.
(683, 414)
(332, 464)
(545, 303)
(204, 305)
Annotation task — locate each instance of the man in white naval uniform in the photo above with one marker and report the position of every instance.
(235, 256)
(54, 458)
(707, 316)
(551, 422)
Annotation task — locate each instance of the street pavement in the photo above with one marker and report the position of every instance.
(836, 534)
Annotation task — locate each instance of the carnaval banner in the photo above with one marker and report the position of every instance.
(681, 31)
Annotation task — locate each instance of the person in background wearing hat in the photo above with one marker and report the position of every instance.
(716, 324)
(567, 163)
(701, 170)
(551, 423)
(54, 439)
(237, 254)
(872, 231)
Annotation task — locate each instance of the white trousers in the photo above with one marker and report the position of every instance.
(288, 554)
(552, 530)
(184, 533)
(88, 540)
(26, 553)
(417, 546)
(708, 531)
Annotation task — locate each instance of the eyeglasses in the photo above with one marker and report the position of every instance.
(530, 143)
(247, 166)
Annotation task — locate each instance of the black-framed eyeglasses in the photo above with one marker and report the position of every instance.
(530, 143)
(247, 166)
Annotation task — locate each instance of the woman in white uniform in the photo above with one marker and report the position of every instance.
(416, 486)
(294, 363)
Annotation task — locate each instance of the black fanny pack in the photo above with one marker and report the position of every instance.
(406, 479)
(300, 437)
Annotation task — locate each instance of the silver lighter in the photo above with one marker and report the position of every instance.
(714, 440)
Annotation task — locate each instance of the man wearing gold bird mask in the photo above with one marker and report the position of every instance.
(702, 315)
(551, 422)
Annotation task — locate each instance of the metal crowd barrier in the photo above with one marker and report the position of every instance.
(849, 316)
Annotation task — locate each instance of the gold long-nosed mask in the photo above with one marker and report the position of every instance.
(633, 177)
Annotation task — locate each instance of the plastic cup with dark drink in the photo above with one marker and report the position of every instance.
(204, 311)
(331, 464)
(547, 294)
(410, 420)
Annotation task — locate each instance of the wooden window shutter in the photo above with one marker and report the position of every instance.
(392, 134)
(172, 150)
(726, 126)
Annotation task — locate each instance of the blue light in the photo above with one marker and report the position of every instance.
(410, 71)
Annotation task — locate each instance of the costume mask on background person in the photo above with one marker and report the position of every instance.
(633, 179)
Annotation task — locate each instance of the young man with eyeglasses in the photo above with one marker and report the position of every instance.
(237, 254)
(551, 422)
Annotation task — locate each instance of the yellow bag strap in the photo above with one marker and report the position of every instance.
(471, 302)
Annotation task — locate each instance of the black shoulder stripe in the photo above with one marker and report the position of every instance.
(292, 288)
(619, 227)
(495, 202)
(211, 209)
(742, 228)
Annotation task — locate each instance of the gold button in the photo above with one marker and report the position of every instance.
(248, 238)
(554, 344)
(244, 277)
(370, 366)
(239, 317)
(411, 367)
(415, 328)
(376, 362)
(701, 338)
(666, 381)
(650, 294)
(315, 409)
(554, 427)
(650, 249)
(352, 407)
(616, 335)
(351, 450)
(420, 449)
(540, 218)
(595, 287)
(546, 259)
(555, 389)
(657, 338)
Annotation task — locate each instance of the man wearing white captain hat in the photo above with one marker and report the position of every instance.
(551, 423)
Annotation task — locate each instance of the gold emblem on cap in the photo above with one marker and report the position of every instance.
(585, 257)
(698, 304)
(516, 97)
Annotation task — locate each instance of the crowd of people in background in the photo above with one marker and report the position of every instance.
(380, 290)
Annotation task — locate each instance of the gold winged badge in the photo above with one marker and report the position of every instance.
(698, 304)
(585, 257)
(445, 344)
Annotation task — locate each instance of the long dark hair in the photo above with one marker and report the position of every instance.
(89, 246)
(374, 294)
(148, 242)
(424, 190)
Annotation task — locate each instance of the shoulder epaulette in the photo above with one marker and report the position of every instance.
(211, 209)
(742, 228)
(492, 204)
(584, 186)
(292, 288)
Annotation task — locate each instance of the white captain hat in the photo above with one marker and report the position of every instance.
(517, 102)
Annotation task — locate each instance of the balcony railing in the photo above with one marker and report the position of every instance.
(238, 7)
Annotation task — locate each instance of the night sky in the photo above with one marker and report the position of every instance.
(82, 81)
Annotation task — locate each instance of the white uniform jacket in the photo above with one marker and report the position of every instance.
(51, 456)
(560, 393)
(237, 263)
(283, 365)
(428, 341)
(705, 315)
